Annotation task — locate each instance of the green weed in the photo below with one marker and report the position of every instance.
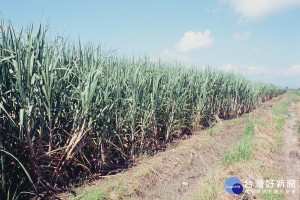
(271, 195)
(237, 121)
(281, 109)
(260, 121)
(214, 130)
(244, 149)
(279, 123)
(94, 194)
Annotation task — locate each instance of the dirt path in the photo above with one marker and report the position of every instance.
(290, 152)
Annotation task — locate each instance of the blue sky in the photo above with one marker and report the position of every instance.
(258, 38)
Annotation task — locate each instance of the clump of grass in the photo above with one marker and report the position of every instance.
(263, 107)
(244, 149)
(297, 92)
(237, 121)
(214, 130)
(250, 130)
(295, 99)
(279, 123)
(210, 142)
(95, 193)
(260, 122)
(281, 109)
(207, 191)
(117, 189)
(279, 140)
(271, 195)
(280, 112)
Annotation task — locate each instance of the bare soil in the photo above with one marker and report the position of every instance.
(290, 152)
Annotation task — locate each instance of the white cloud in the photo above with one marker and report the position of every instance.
(194, 40)
(242, 36)
(293, 71)
(290, 72)
(284, 77)
(245, 70)
(255, 9)
(255, 71)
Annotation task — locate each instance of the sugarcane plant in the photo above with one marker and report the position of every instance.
(68, 109)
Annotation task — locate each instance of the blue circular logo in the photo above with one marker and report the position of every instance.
(233, 186)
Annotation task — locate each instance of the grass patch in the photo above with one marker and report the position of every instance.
(214, 130)
(271, 195)
(147, 171)
(95, 193)
(269, 174)
(210, 142)
(295, 96)
(115, 190)
(263, 107)
(287, 94)
(208, 190)
(237, 121)
(241, 154)
(297, 92)
(280, 112)
(244, 149)
(281, 109)
(295, 99)
(250, 130)
(279, 140)
(260, 122)
(118, 188)
(279, 123)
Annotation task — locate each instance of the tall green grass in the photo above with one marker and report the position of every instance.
(67, 110)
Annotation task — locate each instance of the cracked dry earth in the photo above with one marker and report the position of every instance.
(290, 152)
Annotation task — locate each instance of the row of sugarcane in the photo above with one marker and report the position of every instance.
(67, 109)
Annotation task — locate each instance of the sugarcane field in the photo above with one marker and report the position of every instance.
(158, 100)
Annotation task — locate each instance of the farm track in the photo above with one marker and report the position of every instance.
(290, 152)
